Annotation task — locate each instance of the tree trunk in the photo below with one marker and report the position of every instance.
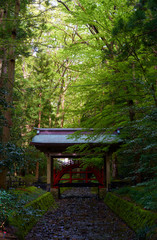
(39, 125)
(7, 69)
(37, 172)
(131, 110)
(60, 99)
(50, 121)
(3, 174)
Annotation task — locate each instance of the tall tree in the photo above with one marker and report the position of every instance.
(90, 64)
(118, 51)
(9, 18)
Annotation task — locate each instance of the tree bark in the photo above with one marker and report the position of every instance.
(37, 172)
(7, 69)
(39, 125)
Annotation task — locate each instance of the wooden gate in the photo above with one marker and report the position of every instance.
(77, 174)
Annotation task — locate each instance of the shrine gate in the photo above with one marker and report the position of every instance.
(54, 143)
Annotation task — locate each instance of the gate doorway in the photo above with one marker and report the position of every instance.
(54, 143)
(73, 174)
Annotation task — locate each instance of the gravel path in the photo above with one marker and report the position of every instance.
(80, 216)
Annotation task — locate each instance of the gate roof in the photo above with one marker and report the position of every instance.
(56, 140)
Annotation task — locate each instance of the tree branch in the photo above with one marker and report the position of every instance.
(59, 1)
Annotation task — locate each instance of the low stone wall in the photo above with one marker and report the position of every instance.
(141, 221)
(26, 218)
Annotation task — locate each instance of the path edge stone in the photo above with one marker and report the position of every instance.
(24, 221)
(141, 221)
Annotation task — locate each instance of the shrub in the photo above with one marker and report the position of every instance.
(29, 179)
(14, 200)
(27, 217)
(7, 204)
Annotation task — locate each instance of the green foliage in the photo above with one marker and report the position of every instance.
(144, 196)
(13, 202)
(141, 221)
(25, 195)
(7, 204)
(25, 219)
(16, 159)
(93, 155)
(3, 105)
(29, 179)
(12, 157)
(139, 153)
(32, 156)
(87, 65)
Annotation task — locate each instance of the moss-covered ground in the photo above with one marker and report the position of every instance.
(23, 207)
(143, 196)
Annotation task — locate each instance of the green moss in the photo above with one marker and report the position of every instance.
(42, 202)
(135, 217)
(31, 189)
(23, 190)
(27, 217)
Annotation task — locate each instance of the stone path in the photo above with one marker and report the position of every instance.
(80, 216)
